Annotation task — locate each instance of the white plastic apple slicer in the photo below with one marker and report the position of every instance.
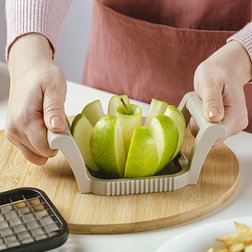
(191, 106)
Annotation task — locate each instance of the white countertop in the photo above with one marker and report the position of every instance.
(239, 205)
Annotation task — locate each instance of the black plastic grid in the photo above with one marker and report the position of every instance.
(28, 220)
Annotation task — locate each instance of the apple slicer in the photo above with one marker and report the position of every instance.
(188, 170)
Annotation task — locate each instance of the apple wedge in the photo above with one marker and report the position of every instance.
(176, 115)
(142, 157)
(129, 117)
(115, 102)
(165, 134)
(81, 130)
(93, 112)
(106, 145)
(157, 107)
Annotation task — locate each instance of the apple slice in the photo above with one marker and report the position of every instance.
(165, 134)
(93, 112)
(115, 102)
(107, 146)
(130, 117)
(81, 130)
(142, 157)
(157, 107)
(176, 115)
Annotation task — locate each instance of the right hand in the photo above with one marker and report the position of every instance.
(37, 96)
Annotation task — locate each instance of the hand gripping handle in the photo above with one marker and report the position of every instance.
(209, 133)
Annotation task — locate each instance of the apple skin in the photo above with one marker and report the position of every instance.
(115, 102)
(81, 130)
(157, 107)
(165, 134)
(117, 145)
(106, 146)
(93, 112)
(129, 122)
(176, 115)
(142, 157)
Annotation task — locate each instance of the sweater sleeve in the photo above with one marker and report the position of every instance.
(40, 16)
(244, 36)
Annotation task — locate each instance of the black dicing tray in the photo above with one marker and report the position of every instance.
(29, 221)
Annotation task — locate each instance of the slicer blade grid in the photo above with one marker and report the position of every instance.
(29, 221)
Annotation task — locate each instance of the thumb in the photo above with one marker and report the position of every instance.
(54, 113)
(213, 104)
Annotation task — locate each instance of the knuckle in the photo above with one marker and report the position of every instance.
(210, 101)
(53, 107)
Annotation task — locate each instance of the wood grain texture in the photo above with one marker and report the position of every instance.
(87, 213)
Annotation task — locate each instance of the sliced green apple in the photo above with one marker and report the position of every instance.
(176, 115)
(107, 146)
(165, 134)
(130, 117)
(81, 130)
(142, 157)
(93, 112)
(115, 102)
(157, 107)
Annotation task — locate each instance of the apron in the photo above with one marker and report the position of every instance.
(151, 49)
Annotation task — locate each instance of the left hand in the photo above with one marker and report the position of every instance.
(219, 81)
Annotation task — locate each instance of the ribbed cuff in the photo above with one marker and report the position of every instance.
(40, 16)
(244, 36)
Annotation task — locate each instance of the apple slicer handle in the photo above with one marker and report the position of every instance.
(209, 133)
(64, 142)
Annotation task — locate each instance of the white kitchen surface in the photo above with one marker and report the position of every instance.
(239, 205)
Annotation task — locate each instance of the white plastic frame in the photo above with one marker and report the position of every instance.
(190, 105)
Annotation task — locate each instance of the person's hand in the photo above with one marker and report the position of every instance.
(219, 81)
(37, 96)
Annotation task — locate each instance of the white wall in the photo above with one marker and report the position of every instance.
(73, 40)
(2, 30)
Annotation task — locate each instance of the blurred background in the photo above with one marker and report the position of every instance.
(73, 38)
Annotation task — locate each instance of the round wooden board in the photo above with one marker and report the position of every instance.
(88, 213)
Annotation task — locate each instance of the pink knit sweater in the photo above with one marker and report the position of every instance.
(46, 16)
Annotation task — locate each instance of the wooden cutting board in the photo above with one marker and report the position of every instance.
(87, 213)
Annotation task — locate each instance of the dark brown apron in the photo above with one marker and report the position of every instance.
(151, 48)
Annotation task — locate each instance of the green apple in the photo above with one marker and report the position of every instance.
(165, 134)
(106, 146)
(142, 157)
(157, 107)
(176, 115)
(119, 146)
(93, 112)
(115, 102)
(81, 130)
(130, 117)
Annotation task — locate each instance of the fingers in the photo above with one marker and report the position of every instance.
(36, 102)
(27, 152)
(210, 92)
(236, 114)
(32, 142)
(224, 103)
(25, 123)
(223, 98)
(36, 135)
(54, 113)
(31, 156)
